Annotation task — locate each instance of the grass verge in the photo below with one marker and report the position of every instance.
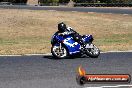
(30, 31)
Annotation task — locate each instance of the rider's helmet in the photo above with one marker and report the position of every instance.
(62, 27)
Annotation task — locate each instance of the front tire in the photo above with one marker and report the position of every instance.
(59, 53)
(93, 52)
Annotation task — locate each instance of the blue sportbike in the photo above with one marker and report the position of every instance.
(65, 46)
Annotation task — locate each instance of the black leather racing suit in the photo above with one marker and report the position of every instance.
(75, 35)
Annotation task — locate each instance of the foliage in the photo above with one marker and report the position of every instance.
(14, 1)
(103, 1)
(66, 1)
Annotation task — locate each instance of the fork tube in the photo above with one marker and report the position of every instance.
(60, 47)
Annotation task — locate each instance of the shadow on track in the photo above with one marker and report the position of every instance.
(71, 57)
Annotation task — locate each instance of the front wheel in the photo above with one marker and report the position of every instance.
(60, 53)
(92, 51)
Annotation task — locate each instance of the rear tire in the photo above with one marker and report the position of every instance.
(59, 54)
(93, 52)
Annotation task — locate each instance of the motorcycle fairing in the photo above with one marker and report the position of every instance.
(72, 46)
(87, 38)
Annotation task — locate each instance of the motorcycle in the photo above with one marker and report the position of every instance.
(66, 46)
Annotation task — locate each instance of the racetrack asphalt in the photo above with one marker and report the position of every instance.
(116, 10)
(47, 72)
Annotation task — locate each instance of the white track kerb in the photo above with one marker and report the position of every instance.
(117, 86)
(116, 51)
(51, 54)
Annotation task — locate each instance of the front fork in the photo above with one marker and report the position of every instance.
(60, 47)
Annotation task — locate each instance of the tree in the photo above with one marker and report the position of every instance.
(64, 1)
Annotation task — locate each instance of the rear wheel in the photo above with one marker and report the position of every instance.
(93, 51)
(60, 53)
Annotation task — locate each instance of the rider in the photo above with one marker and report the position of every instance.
(64, 30)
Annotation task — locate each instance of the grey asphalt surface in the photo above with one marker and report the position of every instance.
(79, 9)
(47, 72)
